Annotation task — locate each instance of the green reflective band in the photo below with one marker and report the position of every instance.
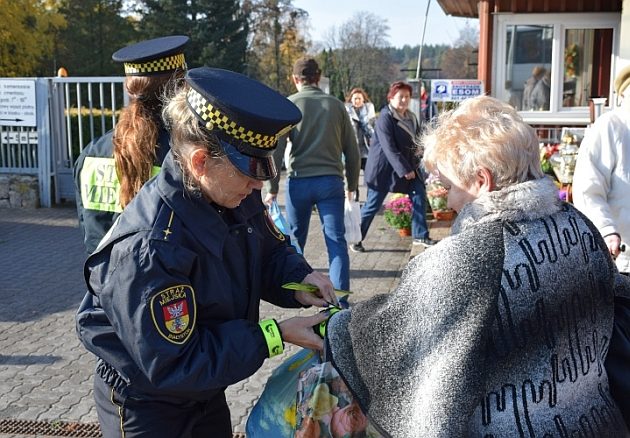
(272, 335)
(320, 329)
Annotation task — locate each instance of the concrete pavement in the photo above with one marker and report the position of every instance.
(46, 375)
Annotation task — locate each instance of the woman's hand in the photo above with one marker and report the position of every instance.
(410, 175)
(323, 297)
(299, 331)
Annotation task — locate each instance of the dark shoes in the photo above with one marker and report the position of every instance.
(357, 247)
(426, 242)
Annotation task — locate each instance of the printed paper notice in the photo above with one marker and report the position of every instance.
(17, 103)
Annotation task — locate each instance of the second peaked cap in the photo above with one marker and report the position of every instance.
(153, 57)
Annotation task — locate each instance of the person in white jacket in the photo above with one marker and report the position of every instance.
(601, 182)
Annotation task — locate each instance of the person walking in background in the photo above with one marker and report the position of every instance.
(322, 144)
(502, 328)
(112, 169)
(172, 308)
(393, 165)
(361, 112)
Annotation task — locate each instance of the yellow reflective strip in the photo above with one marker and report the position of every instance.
(155, 170)
(100, 188)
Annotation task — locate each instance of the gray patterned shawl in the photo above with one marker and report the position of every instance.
(500, 330)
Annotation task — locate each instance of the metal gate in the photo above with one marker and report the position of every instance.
(81, 109)
(70, 112)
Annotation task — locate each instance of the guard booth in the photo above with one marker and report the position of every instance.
(44, 125)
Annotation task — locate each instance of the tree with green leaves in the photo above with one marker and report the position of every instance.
(27, 36)
(276, 40)
(95, 29)
(217, 29)
(219, 36)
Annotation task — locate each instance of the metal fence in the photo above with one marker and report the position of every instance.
(71, 112)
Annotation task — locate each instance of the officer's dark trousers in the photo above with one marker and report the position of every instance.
(122, 417)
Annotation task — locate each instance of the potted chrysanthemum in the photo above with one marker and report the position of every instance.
(437, 195)
(398, 212)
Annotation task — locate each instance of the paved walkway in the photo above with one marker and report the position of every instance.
(46, 375)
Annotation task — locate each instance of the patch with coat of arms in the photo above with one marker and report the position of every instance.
(174, 311)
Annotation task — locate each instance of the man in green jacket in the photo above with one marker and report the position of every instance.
(322, 144)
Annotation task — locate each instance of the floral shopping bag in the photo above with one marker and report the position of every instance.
(326, 407)
(273, 415)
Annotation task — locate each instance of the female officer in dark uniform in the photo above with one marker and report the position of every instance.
(113, 168)
(174, 288)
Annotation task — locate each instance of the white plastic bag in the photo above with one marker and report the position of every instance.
(352, 221)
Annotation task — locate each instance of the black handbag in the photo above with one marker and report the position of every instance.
(618, 359)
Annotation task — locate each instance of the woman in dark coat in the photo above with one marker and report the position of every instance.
(393, 164)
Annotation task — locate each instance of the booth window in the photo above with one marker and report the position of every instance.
(586, 65)
(550, 65)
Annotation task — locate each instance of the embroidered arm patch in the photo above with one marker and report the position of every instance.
(174, 313)
(271, 226)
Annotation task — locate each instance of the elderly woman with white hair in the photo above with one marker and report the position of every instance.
(501, 329)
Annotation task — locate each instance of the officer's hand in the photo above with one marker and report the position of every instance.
(324, 296)
(269, 198)
(349, 195)
(613, 241)
(299, 331)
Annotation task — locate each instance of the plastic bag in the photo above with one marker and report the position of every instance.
(273, 415)
(282, 224)
(326, 407)
(352, 221)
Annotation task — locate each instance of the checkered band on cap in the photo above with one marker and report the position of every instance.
(214, 119)
(156, 65)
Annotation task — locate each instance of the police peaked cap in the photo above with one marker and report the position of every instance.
(246, 116)
(153, 57)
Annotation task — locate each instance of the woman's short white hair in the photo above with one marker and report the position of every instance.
(483, 132)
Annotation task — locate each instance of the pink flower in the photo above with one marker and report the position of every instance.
(348, 420)
(308, 429)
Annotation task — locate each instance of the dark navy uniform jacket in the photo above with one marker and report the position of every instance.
(174, 290)
(392, 154)
(97, 186)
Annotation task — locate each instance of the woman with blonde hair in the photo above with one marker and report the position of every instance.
(502, 328)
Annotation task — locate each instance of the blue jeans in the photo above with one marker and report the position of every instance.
(327, 193)
(417, 193)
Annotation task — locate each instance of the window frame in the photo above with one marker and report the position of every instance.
(561, 22)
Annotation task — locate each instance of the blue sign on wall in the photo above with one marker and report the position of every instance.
(455, 90)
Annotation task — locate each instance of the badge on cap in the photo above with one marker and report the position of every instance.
(174, 311)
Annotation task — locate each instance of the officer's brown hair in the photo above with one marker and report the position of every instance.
(136, 133)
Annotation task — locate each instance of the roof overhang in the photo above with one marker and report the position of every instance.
(469, 8)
